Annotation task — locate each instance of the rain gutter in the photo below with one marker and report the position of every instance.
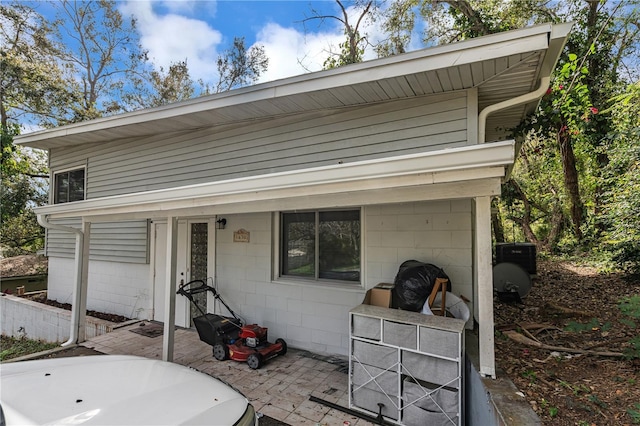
(522, 99)
(76, 311)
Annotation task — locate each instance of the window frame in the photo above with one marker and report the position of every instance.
(279, 249)
(56, 176)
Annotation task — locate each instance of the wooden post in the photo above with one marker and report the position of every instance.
(170, 290)
(484, 285)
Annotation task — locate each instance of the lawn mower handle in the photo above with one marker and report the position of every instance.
(202, 288)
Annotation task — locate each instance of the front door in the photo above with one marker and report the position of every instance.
(195, 247)
(198, 262)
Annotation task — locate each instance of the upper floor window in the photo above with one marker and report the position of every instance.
(321, 245)
(69, 186)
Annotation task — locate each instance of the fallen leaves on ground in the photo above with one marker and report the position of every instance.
(575, 308)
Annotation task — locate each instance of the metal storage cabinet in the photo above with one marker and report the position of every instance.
(410, 362)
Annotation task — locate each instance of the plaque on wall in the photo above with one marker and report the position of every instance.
(241, 236)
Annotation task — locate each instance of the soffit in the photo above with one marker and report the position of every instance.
(501, 66)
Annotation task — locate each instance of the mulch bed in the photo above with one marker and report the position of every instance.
(42, 298)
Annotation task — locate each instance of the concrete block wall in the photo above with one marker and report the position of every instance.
(307, 315)
(116, 288)
(37, 321)
(314, 316)
(436, 232)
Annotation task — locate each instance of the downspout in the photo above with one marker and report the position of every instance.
(75, 312)
(522, 99)
(486, 344)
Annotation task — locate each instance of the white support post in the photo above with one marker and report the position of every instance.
(484, 283)
(81, 299)
(170, 290)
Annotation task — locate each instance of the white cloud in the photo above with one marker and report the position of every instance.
(182, 33)
(172, 37)
(292, 52)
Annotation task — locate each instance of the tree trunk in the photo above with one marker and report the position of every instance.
(475, 18)
(525, 220)
(496, 222)
(598, 70)
(571, 181)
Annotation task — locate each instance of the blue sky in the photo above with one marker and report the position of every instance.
(199, 30)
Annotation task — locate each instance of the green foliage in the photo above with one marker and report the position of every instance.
(238, 66)
(630, 307)
(105, 54)
(19, 193)
(452, 21)
(12, 347)
(596, 400)
(352, 49)
(160, 87)
(530, 375)
(346, 56)
(34, 84)
(622, 174)
(577, 327)
(634, 413)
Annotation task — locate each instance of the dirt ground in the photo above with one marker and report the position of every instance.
(576, 308)
(570, 309)
(19, 266)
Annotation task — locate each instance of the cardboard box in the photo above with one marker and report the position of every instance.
(380, 295)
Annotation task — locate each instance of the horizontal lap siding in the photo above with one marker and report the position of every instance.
(115, 242)
(289, 143)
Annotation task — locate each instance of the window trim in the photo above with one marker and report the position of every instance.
(278, 276)
(68, 170)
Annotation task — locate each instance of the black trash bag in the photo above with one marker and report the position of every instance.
(413, 284)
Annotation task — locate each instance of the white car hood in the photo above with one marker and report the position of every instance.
(114, 390)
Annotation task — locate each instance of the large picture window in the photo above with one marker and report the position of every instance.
(69, 186)
(321, 245)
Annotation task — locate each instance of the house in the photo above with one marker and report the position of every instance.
(296, 196)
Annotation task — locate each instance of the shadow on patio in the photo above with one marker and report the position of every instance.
(280, 389)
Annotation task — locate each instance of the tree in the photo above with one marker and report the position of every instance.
(456, 20)
(158, 87)
(238, 66)
(621, 201)
(33, 85)
(352, 49)
(104, 51)
(565, 177)
(33, 90)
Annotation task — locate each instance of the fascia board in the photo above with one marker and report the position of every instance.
(489, 187)
(480, 49)
(423, 168)
(557, 40)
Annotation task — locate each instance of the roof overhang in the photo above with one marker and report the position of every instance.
(452, 173)
(501, 66)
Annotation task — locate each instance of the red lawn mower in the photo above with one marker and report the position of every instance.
(229, 337)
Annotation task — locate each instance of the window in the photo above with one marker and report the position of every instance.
(69, 186)
(322, 245)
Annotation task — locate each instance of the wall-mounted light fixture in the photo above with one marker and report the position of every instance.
(221, 223)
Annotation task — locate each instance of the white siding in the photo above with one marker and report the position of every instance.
(125, 241)
(295, 142)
